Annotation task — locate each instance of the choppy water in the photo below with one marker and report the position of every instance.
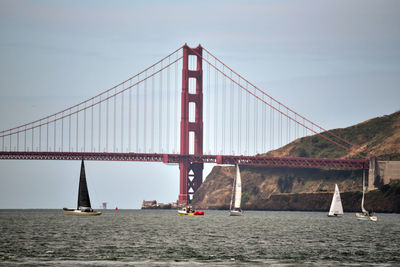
(162, 238)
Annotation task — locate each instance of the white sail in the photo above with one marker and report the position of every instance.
(336, 205)
(362, 200)
(238, 189)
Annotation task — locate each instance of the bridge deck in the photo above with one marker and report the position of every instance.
(176, 158)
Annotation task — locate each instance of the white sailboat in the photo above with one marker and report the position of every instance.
(236, 198)
(336, 209)
(365, 215)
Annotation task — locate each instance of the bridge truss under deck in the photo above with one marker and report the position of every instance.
(176, 158)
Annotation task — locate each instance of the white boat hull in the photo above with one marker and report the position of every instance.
(81, 213)
(235, 213)
(362, 217)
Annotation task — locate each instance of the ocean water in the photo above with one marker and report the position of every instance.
(163, 238)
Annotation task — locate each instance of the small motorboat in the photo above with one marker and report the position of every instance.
(187, 210)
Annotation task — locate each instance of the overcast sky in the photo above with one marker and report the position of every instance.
(336, 62)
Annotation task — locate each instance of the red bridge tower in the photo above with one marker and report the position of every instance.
(191, 174)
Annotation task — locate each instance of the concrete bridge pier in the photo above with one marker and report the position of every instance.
(382, 172)
(373, 173)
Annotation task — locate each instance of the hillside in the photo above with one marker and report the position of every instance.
(379, 136)
(311, 189)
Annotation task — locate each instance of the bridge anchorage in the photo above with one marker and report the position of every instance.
(224, 119)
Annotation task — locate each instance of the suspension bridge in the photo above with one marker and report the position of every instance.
(188, 108)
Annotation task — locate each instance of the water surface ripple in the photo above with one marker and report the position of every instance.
(162, 238)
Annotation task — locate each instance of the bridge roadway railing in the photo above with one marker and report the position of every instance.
(176, 158)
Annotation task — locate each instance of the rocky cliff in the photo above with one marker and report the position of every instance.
(268, 188)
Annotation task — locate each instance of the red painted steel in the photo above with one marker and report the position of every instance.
(193, 159)
(191, 173)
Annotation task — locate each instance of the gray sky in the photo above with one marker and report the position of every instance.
(336, 62)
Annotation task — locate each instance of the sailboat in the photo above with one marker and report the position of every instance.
(235, 210)
(336, 209)
(365, 215)
(84, 207)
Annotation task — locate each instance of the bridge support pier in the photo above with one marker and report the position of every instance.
(191, 174)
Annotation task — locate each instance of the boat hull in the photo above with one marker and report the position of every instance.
(195, 213)
(235, 213)
(81, 213)
(335, 215)
(363, 217)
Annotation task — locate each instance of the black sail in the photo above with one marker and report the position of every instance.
(83, 195)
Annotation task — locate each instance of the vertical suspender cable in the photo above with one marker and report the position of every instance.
(291, 130)
(223, 110)
(231, 109)
(24, 141)
(168, 104)
(160, 132)
(272, 126)
(287, 127)
(216, 111)
(122, 119)
(107, 111)
(55, 133)
(175, 149)
(91, 132)
(255, 122)
(279, 125)
(239, 118)
(18, 138)
(32, 138)
(208, 119)
(247, 149)
(129, 117)
(77, 128)
(69, 131)
(115, 119)
(99, 124)
(62, 132)
(152, 111)
(47, 135)
(84, 128)
(264, 111)
(144, 111)
(40, 135)
(137, 116)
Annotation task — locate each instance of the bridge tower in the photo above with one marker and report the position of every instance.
(191, 174)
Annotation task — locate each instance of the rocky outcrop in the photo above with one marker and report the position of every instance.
(260, 183)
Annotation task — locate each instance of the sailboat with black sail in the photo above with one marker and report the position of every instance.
(84, 207)
(236, 198)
